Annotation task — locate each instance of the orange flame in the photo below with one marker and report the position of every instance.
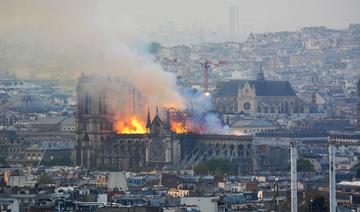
(179, 127)
(129, 125)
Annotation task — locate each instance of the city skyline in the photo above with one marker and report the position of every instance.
(257, 16)
(172, 106)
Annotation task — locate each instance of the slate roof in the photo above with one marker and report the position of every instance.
(262, 88)
(27, 103)
(250, 123)
(55, 120)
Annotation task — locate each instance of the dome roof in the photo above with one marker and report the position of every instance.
(27, 103)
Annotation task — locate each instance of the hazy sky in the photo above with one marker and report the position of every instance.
(260, 15)
(85, 32)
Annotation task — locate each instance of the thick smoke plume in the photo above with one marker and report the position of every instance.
(65, 38)
(202, 115)
(61, 39)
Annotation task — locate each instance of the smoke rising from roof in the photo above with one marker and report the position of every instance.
(69, 37)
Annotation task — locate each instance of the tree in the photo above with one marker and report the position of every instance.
(304, 166)
(315, 202)
(318, 204)
(216, 167)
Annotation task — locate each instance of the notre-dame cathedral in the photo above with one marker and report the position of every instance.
(100, 146)
(99, 98)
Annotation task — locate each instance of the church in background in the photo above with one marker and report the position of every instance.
(260, 96)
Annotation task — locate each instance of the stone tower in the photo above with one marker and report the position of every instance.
(99, 99)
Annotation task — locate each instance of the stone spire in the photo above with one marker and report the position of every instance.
(148, 120)
(167, 123)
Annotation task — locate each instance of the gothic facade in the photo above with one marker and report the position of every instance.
(99, 146)
(257, 96)
(98, 100)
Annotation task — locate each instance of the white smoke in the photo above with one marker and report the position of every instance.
(202, 113)
(65, 38)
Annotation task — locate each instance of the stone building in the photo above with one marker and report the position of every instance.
(99, 146)
(155, 149)
(48, 152)
(161, 148)
(93, 118)
(28, 103)
(9, 144)
(239, 125)
(257, 96)
(99, 100)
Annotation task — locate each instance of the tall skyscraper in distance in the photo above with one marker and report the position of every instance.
(233, 20)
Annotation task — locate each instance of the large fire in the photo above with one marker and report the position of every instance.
(179, 123)
(129, 125)
(179, 127)
(179, 120)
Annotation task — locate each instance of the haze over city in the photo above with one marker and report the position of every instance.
(184, 16)
(174, 106)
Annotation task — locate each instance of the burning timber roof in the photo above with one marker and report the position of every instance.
(27, 103)
(187, 136)
(262, 88)
(65, 120)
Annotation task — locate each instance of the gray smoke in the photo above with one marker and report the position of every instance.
(202, 115)
(49, 39)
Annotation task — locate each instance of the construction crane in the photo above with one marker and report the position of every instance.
(206, 67)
